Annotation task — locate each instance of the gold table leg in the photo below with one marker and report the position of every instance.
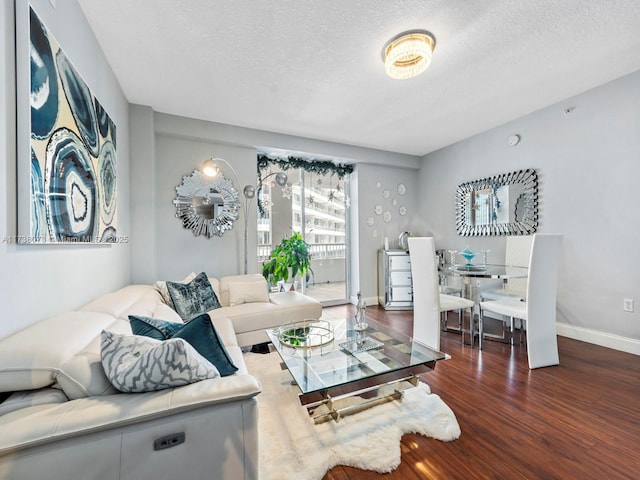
(335, 412)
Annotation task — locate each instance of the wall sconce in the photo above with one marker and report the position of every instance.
(211, 169)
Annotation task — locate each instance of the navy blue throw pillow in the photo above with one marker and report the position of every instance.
(193, 298)
(199, 332)
(153, 327)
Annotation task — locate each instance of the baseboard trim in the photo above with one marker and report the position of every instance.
(609, 340)
(604, 339)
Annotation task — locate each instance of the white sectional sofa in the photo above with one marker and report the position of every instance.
(61, 418)
(251, 313)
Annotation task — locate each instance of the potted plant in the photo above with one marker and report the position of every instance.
(289, 258)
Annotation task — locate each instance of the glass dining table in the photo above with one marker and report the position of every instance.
(471, 272)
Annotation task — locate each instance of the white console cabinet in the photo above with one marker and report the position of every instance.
(394, 280)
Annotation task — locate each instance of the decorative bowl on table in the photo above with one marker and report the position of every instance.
(468, 255)
(307, 333)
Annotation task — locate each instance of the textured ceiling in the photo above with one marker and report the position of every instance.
(313, 68)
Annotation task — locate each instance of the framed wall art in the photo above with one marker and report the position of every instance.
(66, 145)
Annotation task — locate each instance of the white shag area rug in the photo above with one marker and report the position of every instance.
(293, 447)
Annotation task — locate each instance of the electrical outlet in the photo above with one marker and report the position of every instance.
(627, 305)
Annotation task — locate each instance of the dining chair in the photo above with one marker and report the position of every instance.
(518, 251)
(428, 303)
(538, 311)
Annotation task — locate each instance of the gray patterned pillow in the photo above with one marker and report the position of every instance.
(137, 364)
(193, 298)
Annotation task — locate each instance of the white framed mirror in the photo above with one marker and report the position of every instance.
(207, 206)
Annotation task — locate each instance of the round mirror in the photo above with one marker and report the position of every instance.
(206, 205)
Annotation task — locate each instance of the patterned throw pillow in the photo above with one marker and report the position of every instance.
(161, 286)
(193, 298)
(199, 332)
(136, 364)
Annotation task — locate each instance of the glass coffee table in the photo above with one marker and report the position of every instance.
(332, 362)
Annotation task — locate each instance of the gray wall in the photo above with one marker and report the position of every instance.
(39, 281)
(170, 147)
(588, 169)
(370, 239)
(161, 248)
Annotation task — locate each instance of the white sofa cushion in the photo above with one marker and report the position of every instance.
(82, 375)
(31, 358)
(30, 398)
(136, 364)
(238, 280)
(129, 300)
(167, 313)
(283, 307)
(252, 291)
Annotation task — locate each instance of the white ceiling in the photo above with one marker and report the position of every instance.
(313, 68)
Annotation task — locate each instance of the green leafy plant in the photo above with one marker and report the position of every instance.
(290, 256)
(295, 336)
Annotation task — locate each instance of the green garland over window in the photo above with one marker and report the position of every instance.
(321, 167)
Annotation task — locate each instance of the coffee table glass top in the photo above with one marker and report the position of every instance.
(339, 362)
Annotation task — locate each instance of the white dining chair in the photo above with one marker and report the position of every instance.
(517, 254)
(538, 311)
(428, 302)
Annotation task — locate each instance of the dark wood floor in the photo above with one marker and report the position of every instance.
(578, 420)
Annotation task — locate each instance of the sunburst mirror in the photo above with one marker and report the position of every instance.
(207, 206)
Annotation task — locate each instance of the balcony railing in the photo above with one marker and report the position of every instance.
(318, 251)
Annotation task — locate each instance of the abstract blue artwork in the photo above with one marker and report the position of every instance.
(73, 151)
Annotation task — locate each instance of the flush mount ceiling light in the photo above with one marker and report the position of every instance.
(408, 54)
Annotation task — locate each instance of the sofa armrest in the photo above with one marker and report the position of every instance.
(51, 422)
